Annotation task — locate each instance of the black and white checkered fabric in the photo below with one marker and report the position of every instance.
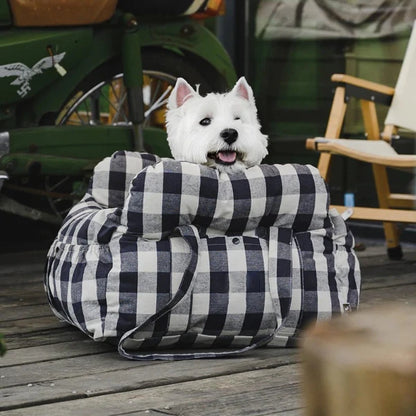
(176, 260)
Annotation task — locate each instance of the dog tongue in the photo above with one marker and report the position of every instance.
(227, 157)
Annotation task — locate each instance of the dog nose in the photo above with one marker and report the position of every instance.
(229, 135)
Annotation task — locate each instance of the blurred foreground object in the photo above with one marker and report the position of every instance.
(3, 347)
(362, 364)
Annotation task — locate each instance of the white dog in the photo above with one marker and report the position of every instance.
(219, 130)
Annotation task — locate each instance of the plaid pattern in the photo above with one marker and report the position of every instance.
(163, 256)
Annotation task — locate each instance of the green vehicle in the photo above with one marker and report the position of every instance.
(82, 79)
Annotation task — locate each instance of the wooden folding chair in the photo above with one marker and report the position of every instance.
(376, 148)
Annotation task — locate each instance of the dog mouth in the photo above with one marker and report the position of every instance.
(225, 157)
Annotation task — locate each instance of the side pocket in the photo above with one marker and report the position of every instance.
(75, 282)
(51, 281)
(325, 285)
(347, 266)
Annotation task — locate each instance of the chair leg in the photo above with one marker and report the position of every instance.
(391, 233)
(395, 253)
(333, 130)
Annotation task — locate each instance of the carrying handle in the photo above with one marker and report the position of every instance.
(191, 236)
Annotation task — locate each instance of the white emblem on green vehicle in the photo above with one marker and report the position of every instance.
(24, 74)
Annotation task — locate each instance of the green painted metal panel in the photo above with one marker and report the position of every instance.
(73, 150)
(105, 44)
(181, 37)
(5, 17)
(25, 163)
(189, 36)
(24, 54)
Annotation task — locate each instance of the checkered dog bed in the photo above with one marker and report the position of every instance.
(176, 260)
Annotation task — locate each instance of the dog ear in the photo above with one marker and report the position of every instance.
(243, 90)
(181, 93)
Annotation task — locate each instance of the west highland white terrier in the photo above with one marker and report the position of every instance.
(218, 130)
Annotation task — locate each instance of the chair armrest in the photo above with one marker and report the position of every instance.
(362, 83)
(370, 151)
(364, 90)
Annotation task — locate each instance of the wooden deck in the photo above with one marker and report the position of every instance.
(52, 369)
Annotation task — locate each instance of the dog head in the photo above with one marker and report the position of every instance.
(218, 130)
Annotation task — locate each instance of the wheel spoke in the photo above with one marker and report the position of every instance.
(114, 90)
(161, 101)
(90, 107)
(156, 90)
(118, 109)
(79, 117)
(59, 205)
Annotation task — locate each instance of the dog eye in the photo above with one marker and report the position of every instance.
(205, 121)
(236, 118)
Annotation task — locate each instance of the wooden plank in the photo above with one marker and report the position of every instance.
(55, 351)
(260, 391)
(148, 412)
(21, 278)
(22, 260)
(23, 312)
(28, 288)
(292, 412)
(106, 373)
(22, 326)
(383, 296)
(388, 281)
(379, 214)
(372, 257)
(46, 337)
(76, 367)
(69, 370)
(22, 299)
(263, 399)
(402, 201)
(23, 266)
(384, 269)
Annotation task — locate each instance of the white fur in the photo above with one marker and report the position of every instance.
(190, 141)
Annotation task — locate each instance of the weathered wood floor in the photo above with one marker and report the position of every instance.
(52, 369)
